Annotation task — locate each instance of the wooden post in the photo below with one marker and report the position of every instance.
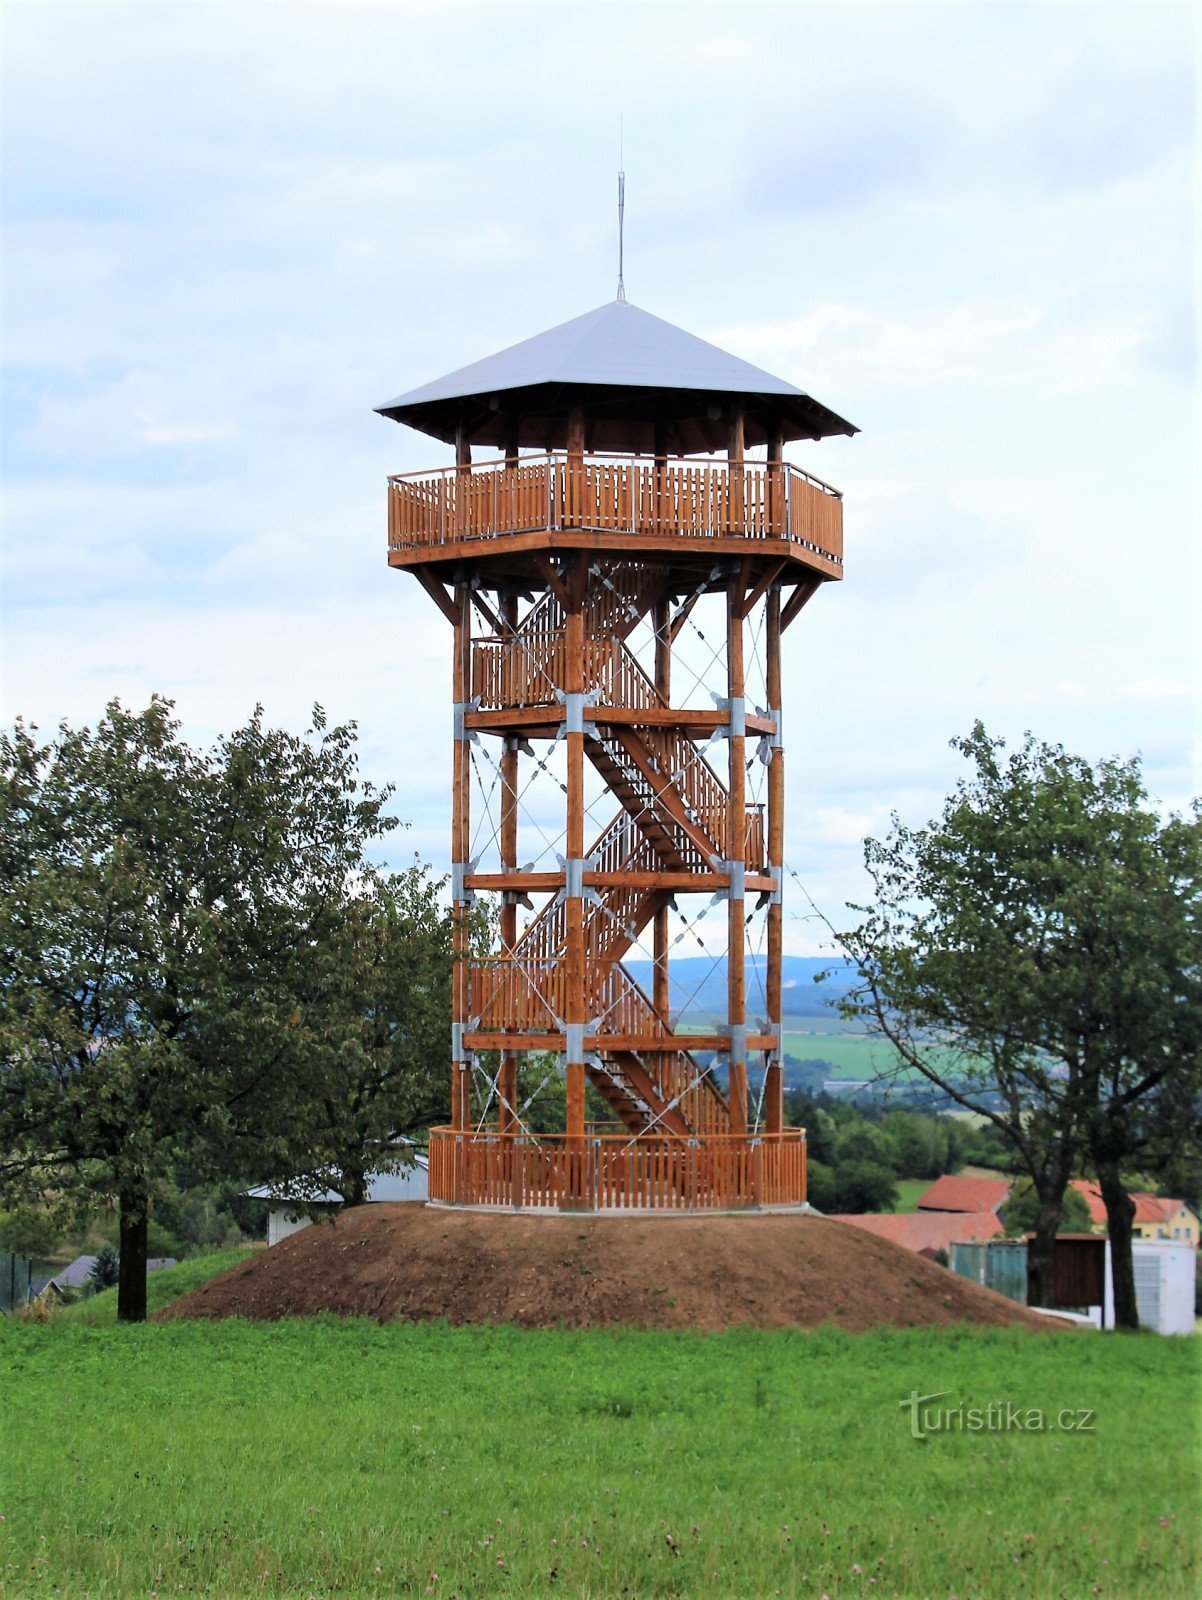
(511, 442)
(575, 1011)
(776, 504)
(734, 456)
(659, 479)
(774, 1090)
(661, 991)
(574, 488)
(736, 978)
(508, 1082)
(461, 778)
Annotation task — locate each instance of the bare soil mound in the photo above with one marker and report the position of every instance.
(419, 1263)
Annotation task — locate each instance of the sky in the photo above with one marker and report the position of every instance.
(230, 231)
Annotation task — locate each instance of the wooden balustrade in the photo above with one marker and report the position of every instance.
(617, 1172)
(623, 494)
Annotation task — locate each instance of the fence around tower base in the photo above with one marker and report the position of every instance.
(617, 1171)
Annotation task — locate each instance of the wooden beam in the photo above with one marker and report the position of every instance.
(774, 1087)
(554, 581)
(681, 617)
(800, 597)
(661, 989)
(461, 833)
(507, 1082)
(487, 612)
(769, 577)
(575, 999)
(670, 881)
(736, 824)
(438, 594)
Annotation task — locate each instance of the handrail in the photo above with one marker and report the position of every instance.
(503, 463)
(597, 1171)
(625, 495)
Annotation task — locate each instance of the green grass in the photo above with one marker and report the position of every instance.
(163, 1286)
(910, 1191)
(338, 1457)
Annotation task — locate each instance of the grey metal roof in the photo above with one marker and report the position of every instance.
(380, 1186)
(629, 370)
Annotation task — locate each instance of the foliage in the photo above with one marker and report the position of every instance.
(29, 1231)
(1034, 953)
(150, 1459)
(1021, 1211)
(106, 1268)
(864, 1186)
(163, 911)
(820, 1186)
(376, 1035)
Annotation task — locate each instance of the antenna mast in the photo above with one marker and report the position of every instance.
(621, 222)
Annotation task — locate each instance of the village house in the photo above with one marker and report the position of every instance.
(1155, 1218)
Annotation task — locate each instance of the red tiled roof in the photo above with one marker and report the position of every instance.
(1149, 1208)
(957, 1193)
(927, 1230)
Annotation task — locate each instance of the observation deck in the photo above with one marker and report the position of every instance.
(630, 504)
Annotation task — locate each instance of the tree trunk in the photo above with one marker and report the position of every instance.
(1042, 1249)
(131, 1280)
(1120, 1212)
(354, 1186)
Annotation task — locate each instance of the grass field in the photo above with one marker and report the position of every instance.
(909, 1192)
(339, 1457)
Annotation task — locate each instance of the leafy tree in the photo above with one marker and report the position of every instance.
(29, 1231)
(1021, 1211)
(820, 1186)
(1033, 952)
(159, 910)
(864, 1186)
(922, 1144)
(376, 1042)
(862, 1141)
(106, 1268)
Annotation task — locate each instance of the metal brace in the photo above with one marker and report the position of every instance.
(736, 711)
(737, 1050)
(737, 872)
(574, 705)
(459, 889)
(461, 708)
(778, 886)
(574, 1037)
(457, 1052)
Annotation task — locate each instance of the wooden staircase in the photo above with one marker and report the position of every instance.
(673, 817)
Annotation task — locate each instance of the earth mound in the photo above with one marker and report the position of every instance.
(421, 1263)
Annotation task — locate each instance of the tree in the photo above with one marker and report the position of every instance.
(864, 1186)
(1033, 952)
(29, 1231)
(820, 1186)
(377, 1030)
(159, 907)
(1021, 1211)
(106, 1269)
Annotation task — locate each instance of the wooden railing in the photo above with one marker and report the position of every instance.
(618, 494)
(617, 1172)
(525, 994)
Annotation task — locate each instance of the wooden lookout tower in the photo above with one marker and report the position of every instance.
(616, 483)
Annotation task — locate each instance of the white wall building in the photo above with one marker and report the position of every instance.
(289, 1213)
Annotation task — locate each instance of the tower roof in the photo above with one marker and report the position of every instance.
(632, 373)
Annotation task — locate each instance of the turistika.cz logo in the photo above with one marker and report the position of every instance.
(1000, 1416)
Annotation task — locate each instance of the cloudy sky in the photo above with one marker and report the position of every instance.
(231, 230)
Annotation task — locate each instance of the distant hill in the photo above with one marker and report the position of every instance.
(698, 984)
